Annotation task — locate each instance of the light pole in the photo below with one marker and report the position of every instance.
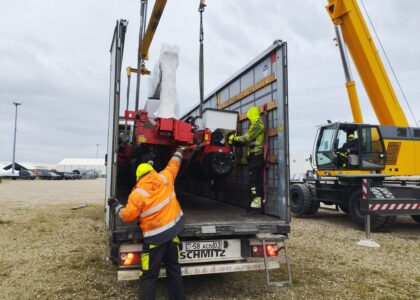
(97, 151)
(16, 104)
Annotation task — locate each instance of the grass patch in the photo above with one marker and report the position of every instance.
(5, 269)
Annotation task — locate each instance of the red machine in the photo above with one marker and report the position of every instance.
(209, 150)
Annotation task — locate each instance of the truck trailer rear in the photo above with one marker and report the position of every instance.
(219, 235)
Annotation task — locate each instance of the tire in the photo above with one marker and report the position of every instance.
(416, 219)
(358, 217)
(301, 200)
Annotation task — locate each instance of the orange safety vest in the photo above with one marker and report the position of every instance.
(153, 200)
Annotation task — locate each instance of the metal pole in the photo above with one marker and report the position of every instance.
(365, 190)
(97, 151)
(16, 104)
(343, 55)
(128, 98)
(201, 57)
(139, 58)
(367, 242)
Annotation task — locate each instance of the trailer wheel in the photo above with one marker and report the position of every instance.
(302, 203)
(416, 218)
(358, 217)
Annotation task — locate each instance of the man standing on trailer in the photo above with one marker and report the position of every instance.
(254, 140)
(154, 203)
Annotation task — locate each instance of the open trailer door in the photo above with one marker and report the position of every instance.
(117, 49)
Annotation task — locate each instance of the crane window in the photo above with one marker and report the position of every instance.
(324, 151)
(402, 132)
(373, 153)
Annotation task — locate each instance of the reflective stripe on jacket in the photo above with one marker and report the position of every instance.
(253, 138)
(153, 199)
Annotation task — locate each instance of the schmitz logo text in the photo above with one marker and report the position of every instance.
(193, 254)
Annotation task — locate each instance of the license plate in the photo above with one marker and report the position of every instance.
(206, 251)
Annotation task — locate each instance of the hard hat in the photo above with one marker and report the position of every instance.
(253, 114)
(143, 169)
(351, 137)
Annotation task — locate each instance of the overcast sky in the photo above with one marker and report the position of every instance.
(54, 57)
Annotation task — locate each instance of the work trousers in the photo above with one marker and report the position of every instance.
(256, 173)
(152, 258)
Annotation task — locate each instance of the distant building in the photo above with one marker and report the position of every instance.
(31, 166)
(299, 164)
(71, 164)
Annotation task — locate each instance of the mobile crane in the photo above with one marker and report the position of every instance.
(347, 153)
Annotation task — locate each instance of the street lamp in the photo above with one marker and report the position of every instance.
(97, 151)
(16, 104)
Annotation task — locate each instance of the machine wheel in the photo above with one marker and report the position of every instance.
(376, 221)
(301, 200)
(416, 218)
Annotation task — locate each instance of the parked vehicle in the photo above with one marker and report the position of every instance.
(68, 175)
(38, 172)
(89, 174)
(49, 175)
(27, 174)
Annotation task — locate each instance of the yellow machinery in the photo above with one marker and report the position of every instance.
(347, 153)
(391, 148)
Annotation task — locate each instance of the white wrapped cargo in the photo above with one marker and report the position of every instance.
(162, 85)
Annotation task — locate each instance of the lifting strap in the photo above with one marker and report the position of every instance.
(201, 62)
(266, 163)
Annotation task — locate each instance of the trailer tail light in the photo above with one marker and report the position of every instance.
(128, 259)
(270, 250)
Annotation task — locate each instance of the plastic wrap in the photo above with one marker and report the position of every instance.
(155, 79)
(166, 86)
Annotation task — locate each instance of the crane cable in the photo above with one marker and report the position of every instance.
(201, 59)
(389, 63)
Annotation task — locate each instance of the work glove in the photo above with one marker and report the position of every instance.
(231, 139)
(113, 203)
(181, 149)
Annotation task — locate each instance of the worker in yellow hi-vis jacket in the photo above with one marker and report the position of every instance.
(254, 140)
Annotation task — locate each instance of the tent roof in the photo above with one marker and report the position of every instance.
(83, 161)
(32, 165)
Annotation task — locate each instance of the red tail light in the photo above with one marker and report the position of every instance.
(270, 250)
(128, 259)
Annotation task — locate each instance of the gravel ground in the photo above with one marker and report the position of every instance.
(51, 252)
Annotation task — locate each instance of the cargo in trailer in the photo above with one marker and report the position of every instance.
(219, 236)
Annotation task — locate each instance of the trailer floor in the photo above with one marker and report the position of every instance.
(200, 210)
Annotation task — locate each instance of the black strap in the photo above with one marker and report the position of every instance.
(201, 63)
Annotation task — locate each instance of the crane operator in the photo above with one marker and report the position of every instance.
(154, 203)
(254, 140)
(349, 147)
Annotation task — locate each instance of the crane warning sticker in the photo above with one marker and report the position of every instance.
(202, 251)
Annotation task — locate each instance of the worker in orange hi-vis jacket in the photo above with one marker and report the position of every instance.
(153, 202)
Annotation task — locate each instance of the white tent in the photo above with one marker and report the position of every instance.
(8, 173)
(71, 164)
(31, 165)
(299, 164)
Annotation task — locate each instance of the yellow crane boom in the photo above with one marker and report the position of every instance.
(347, 15)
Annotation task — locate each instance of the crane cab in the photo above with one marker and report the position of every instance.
(348, 148)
